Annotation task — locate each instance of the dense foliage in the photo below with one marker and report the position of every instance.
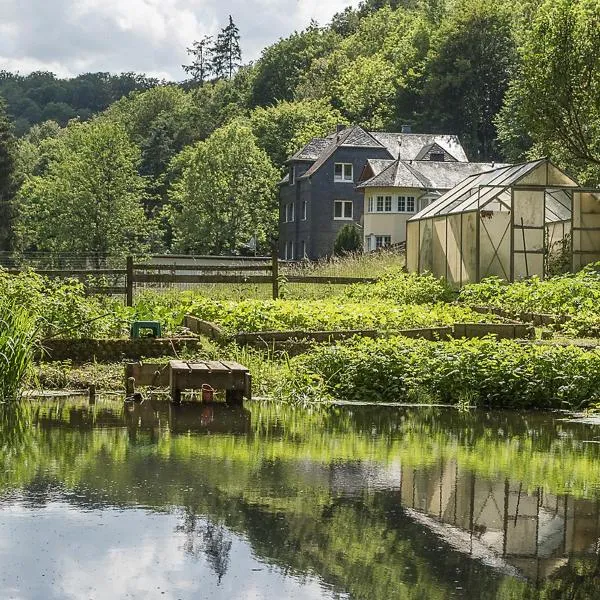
(41, 96)
(328, 315)
(61, 307)
(87, 197)
(18, 337)
(524, 73)
(576, 297)
(483, 372)
(400, 287)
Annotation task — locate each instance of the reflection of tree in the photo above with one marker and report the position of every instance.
(206, 538)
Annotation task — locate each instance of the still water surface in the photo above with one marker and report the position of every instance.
(272, 502)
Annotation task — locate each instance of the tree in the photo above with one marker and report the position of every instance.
(280, 68)
(226, 52)
(8, 150)
(554, 100)
(283, 129)
(226, 194)
(89, 199)
(201, 53)
(348, 239)
(466, 75)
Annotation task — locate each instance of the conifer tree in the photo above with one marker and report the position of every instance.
(8, 148)
(201, 53)
(227, 54)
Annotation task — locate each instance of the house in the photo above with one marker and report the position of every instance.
(394, 190)
(511, 222)
(319, 194)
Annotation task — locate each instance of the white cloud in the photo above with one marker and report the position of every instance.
(150, 36)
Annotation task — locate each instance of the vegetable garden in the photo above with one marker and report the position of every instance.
(488, 372)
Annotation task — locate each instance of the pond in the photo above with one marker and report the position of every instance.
(271, 501)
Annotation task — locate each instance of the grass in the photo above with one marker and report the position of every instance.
(18, 339)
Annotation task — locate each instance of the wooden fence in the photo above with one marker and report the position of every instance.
(166, 270)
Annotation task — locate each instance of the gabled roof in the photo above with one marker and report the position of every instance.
(479, 190)
(352, 137)
(408, 146)
(425, 174)
(312, 150)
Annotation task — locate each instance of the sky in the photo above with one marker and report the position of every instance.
(70, 37)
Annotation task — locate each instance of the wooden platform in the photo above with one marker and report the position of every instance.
(180, 375)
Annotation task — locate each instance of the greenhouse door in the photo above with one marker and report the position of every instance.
(528, 233)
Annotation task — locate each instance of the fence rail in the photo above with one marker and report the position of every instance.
(169, 271)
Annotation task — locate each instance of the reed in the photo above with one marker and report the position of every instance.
(18, 341)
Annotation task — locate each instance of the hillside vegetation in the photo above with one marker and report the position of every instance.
(513, 79)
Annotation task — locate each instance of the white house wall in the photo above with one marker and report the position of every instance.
(388, 223)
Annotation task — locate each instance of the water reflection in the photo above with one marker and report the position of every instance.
(270, 501)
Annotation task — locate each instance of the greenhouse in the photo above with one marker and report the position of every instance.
(512, 222)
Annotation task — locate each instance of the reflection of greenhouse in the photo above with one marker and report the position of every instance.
(501, 523)
(508, 223)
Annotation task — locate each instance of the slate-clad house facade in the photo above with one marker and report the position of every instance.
(319, 194)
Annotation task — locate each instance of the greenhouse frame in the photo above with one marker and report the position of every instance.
(512, 222)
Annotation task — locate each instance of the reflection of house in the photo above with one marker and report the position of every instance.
(318, 196)
(394, 190)
(532, 531)
(505, 222)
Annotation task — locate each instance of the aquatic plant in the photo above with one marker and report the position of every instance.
(18, 340)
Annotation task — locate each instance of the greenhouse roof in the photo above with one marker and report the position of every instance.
(479, 190)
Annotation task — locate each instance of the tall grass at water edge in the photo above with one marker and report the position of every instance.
(18, 340)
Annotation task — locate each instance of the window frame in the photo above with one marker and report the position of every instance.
(343, 204)
(342, 178)
(304, 210)
(379, 245)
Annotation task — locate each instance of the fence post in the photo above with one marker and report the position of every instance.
(275, 270)
(129, 281)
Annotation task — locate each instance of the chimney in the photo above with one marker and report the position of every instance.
(406, 129)
(339, 128)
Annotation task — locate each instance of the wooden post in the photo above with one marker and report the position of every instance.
(275, 270)
(129, 281)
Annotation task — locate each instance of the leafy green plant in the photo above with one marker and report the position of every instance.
(18, 340)
(481, 371)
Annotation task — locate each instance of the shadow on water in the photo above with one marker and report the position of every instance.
(361, 501)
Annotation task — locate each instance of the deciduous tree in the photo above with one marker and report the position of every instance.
(89, 199)
(226, 194)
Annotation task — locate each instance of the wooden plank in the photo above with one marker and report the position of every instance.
(330, 280)
(172, 278)
(71, 272)
(202, 268)
(198, 366)
(216, 366)
(234, 366)
(178, 365)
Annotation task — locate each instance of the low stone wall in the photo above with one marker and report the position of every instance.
(114, 350)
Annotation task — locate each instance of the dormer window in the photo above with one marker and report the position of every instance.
(343, 172)
(437, 156)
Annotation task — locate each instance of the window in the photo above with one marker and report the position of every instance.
(304, 209)
(289, 251)
(387, 205)
(290, 213)
(342, 209)
(437, 156)
(382, 240)
(343, 172)
(371, 204)
(406, 204)
(379, 207)
(302, 249)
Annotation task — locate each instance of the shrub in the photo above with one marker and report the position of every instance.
(17, 344)
(348, 240)
(403, 288)
(501, 374)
